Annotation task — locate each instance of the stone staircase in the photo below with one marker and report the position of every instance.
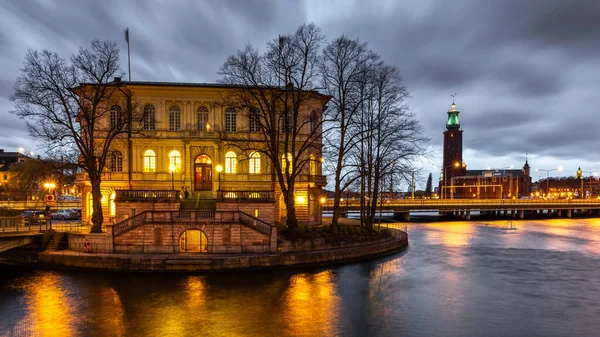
(199, 201)
(52, 244)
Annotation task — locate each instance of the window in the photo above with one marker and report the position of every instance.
(174, 161)
(287, 122)
(116, 118)
(255, 163)
(149, 161)
(284, 163)
(174, 118)
(230, 162)
(230, 120)
(313, 121)
(203, 119)
(115, 161)
(313, 165)
(149, 121)
(254, 121)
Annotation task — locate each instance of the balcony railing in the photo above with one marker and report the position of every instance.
(146, 195)
(246, 196)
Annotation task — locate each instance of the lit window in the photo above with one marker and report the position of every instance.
(115, 161)
(284, 163)
(116, 117)
(230, 120)
(111, 204)
(255, 163)
(313, 165)
(254, 121)
(174, 118)
(149, 120)
(149, 161)
(230, 162)
(202, 118)
(175, 161)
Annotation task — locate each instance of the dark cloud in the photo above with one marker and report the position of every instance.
(526, 72)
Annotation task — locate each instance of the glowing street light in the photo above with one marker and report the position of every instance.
(547, 176)
(219, 170)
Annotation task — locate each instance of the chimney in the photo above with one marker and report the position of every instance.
(1, 150)
(290, 86)
(117, 79)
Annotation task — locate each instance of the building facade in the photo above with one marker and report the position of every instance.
(191, 140)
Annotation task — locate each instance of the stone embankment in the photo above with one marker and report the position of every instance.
(309, 254)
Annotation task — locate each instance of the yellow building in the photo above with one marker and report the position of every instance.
(191, 140)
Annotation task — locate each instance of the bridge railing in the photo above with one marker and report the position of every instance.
(11, 224)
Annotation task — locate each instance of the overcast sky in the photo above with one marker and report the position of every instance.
(526, 72)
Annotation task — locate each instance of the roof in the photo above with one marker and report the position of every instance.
(8, 158)
(197, 85)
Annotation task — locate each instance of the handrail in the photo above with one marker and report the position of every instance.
(245, 196)
(131, 223)
(255, 223)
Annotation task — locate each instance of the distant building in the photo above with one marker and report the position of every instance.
(6, 160)
(458, 182)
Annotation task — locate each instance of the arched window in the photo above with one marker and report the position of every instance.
(203, 159)
(203, 119)
(116, 117)
(313, 165)
(284, 163)
(174, 161)
(149, 120)
(313, 121)
(254, 120)
(115, 161)
(255, 163)
(174, 118)
(230, 120)
(230, 162)
(149, 161)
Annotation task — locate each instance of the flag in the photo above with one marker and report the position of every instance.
(127, 35)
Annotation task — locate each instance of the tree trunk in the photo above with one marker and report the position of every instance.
(97, 216)
(291, 221)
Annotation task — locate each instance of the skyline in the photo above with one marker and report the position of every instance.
(525, 72)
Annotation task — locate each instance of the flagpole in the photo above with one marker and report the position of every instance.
(128, 53)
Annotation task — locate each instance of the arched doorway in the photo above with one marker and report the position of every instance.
(193, 241)
(203, 173)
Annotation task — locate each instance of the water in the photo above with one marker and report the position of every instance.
(456, 279)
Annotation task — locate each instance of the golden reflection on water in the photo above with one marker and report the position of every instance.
(51, 311)
(310, 305)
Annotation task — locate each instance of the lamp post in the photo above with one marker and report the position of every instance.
(219, 170)
(547, 177)
(454, 165)
(50, 186)
(172, 177)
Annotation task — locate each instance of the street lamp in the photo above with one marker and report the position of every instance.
(219, 170)
(50, 186)
(547, 176)
(454, 165)
(172, 177)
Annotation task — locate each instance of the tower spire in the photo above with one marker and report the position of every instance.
(453, 122)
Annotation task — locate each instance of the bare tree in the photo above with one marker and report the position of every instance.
(74, 108)
(344, 68)
(276, 93)
(391, 138)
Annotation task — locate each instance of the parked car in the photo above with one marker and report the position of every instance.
(35, 216)
(60, 214)
(75, 213)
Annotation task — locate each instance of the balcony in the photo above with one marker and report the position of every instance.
(246, 196)
(146, 195)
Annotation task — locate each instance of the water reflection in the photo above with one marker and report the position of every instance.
(456, 279)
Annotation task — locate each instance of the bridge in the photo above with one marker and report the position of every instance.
(464, 207)
(17, 231)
